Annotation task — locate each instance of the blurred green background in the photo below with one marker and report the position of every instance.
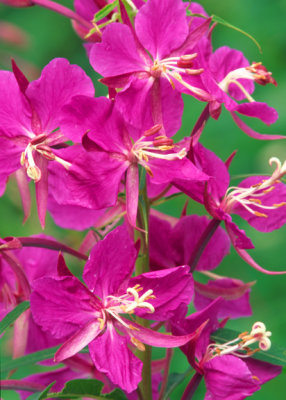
(49, 35)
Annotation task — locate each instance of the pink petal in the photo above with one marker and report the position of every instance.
(186, 235)
(250, 132)
(111, 263)
(235, 294)
(228, 378)
(62, 306)
(111, 355)
(42, 188)
(248, 259)
(78, 341)
(23, 186)
(161, 26)
(171, 288)
(132, 193)
(276, 217)
(112, 58)
(266, 114)
(59, 82)
(15, 112)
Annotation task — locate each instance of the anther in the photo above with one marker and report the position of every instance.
(152, 131)
(38, 139)
(258, 214)
(140, 346)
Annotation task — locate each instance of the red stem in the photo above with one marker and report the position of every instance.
(13, 384)
(202, 243)
(169, 355)
(50, 244)
(192, 386)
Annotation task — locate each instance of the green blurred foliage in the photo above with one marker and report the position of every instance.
(50, 35)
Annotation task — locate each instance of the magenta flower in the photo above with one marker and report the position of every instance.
(227, 368)
(260, 200)
(18, 270)
(234, 292)
(152, 60)
(181, 241)
(115, 149)
(229, 77)
(29, 119)
(92, 316)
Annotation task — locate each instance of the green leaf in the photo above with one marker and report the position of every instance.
(41, 395)
(275, 355)
(142, 178)
(105, 11)
(85, 388)
(13, 315)
(221, 21)
(174, 381)
(29, 359)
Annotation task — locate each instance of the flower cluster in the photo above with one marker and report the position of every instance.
(103, 164)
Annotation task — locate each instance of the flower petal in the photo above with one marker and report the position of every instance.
(59, 82)
(111, 355)
(116, 57)
(78, 341)
(111, 263)
(62, 306)
(161, 26)
(250, 132)
(171, 288)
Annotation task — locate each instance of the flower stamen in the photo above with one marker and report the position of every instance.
(251, 196)
(240, 345)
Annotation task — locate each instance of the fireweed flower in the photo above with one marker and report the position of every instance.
(260, 200)
(93, 316)
(114, 149)
(228, 369)
(29, 118)
(152, 60)
(181, 239)
(229, 77)
(17, 274)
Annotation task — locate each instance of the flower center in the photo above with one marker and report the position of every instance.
(255, 72)
(40, 145)
(127, 304)
(253, 196)
(240, 345)
(172, 69)
(158, 148)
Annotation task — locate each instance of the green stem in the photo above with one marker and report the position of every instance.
(142, 266)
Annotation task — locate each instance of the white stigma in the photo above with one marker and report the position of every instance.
(27, 158)
(253, 195)
(240, 345)
(172, 69)
(144, 149)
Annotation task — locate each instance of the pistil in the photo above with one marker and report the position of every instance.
(144, 149)
(253, 195)
(38, 144)
(240, 345)
(255, 72)
(172, 69)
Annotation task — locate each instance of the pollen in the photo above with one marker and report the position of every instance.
(140, 346)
